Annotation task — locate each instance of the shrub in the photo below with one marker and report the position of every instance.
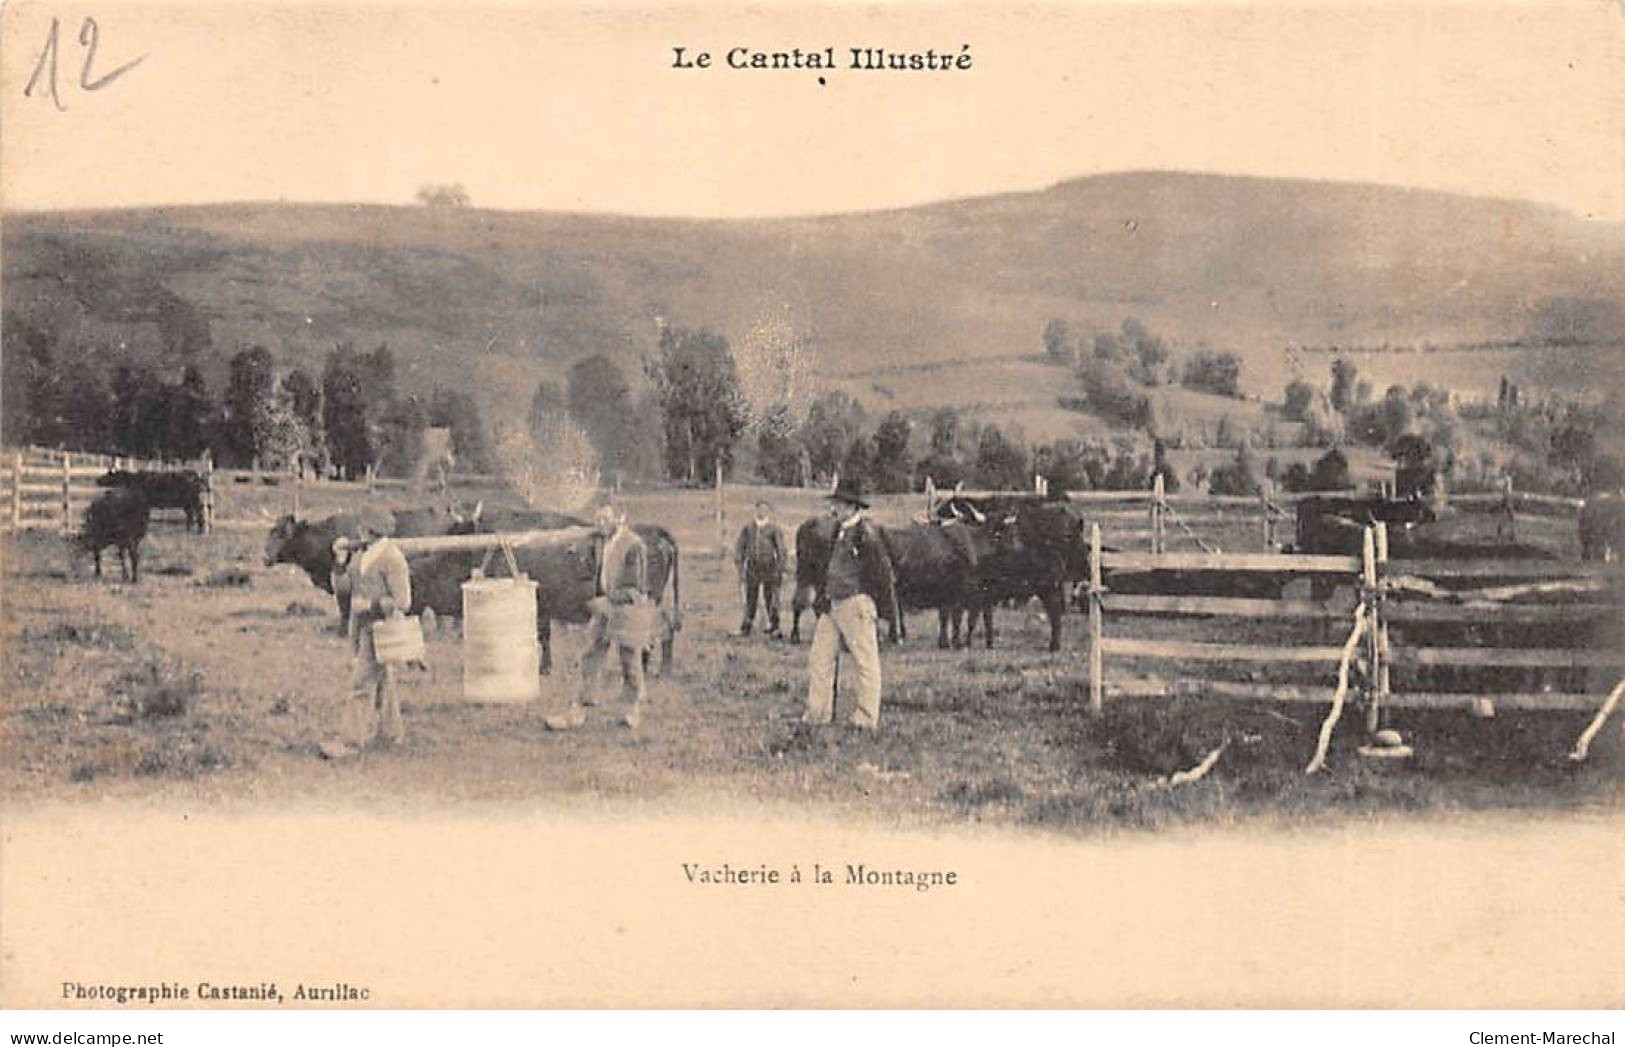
(1213, 372)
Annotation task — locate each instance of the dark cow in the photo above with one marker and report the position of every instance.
(814, 538)
(1037, 547)
(936, 567)
(1335, 525)
(117, 518)
(174, 489)
(564, 574)
(309, 544)
(1602, 526)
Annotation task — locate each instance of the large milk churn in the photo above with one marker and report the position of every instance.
(501, 659)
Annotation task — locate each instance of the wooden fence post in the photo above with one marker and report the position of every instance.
(1507, 527)
(1266, 493)
(722, 525)
(17, 491)
(1097, 671)
(67, 495)
(1368, 592)
(930, 497)
(208, 492)
(1380, 622)
(1159, 512)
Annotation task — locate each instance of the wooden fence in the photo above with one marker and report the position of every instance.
(1384, 592)
(48, 489)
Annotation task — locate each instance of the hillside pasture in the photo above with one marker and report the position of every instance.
(216, 678)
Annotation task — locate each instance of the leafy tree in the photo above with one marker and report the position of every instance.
(1001, 461)
(944, 431)
(138, 410)
(86, 410)
(892, 466)
(833, 421)
(1214, 372)
(1299, 400)
(1296, 478)
(378, 371)
(778, 452)
(1107, 347)
(1329, 473)
(600, 400)
(698, 389)
(858, 460)
(1062, 464)
(30, 396)
(457, 411)
(1416, 467)
(187, 418)
(347, 418)
(1111, 393)
(249, 391)
(279, 434)
(400, 431)
(1058, 342)
(1150, 351)
(1344, 376)
(1239, 477)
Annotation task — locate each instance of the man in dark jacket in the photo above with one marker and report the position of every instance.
(759, 558)
(856, 583)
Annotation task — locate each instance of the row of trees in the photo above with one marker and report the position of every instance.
(349, 419)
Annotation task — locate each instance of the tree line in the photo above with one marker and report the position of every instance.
(348, 419)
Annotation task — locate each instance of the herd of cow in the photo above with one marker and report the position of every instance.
(975, 554)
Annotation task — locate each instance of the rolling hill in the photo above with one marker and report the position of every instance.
(469, 297)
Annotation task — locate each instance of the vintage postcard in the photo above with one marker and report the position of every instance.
(842, 505)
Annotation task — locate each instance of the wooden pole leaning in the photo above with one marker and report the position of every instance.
(1368, 594)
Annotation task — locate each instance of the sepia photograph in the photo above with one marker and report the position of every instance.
(820, 506)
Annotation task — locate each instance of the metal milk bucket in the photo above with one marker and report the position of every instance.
(397, 640)
(501, 658)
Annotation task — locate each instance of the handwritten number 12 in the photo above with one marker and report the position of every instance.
(89, 37)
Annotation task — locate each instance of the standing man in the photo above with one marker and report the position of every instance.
(856, 583)
(619, 617)
(381, 585)
(759, 559)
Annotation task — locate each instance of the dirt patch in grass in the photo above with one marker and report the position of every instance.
(82, 634)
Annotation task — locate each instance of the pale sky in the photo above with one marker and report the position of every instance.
(572, 108)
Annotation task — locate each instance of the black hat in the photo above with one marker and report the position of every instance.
(849, 489)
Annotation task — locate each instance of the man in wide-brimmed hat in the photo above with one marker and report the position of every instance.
(381, 584)
(857, 581)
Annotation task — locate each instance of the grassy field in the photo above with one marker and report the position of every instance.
(215, 678)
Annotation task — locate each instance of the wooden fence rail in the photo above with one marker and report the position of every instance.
(1380, 591)
(44, 488)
